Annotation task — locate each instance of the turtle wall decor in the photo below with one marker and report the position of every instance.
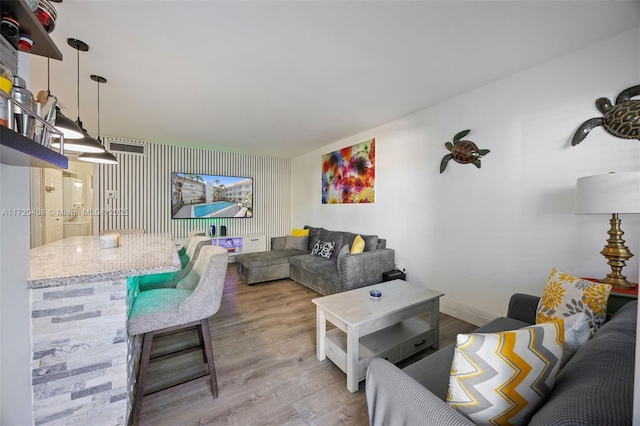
(462, 151)
(622, 120)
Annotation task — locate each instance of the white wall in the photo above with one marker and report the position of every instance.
(15, 350)
(15, 322)
(479, 235)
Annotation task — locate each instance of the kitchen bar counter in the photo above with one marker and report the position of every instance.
(81, 260)
(83, 362)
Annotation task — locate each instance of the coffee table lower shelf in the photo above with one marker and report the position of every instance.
(393, 343)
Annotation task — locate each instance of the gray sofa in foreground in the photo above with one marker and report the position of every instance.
(594, 388)
(325, 276)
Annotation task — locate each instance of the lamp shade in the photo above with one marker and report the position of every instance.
(67, 126)
(613, 193)
(86, 144)
(104, 157)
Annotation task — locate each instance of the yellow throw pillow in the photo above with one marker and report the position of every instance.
(358, 245)
(299, 232)
(566, 295)
(501, 378)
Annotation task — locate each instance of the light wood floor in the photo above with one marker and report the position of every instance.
(264, 348)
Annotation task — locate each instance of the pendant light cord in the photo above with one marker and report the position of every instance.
(98, 79)
(78, 82)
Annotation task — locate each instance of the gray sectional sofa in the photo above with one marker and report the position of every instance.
(594, 388)
(341, 272)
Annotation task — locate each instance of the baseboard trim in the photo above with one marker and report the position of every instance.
(464, 314)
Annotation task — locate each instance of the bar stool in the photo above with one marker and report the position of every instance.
(196, 298)
(185, 246)
(170, 279)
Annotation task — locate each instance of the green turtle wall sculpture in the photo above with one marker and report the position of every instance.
(622, 120)
(462, 151)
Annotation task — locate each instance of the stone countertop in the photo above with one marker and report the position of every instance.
(80, 259)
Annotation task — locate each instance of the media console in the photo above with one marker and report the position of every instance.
(240, 244)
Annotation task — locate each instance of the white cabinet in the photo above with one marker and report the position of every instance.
(239, 245)
(76, 229)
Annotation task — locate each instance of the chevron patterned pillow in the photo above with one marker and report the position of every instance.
(502, 378)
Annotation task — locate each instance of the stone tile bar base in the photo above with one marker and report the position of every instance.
(83, 362)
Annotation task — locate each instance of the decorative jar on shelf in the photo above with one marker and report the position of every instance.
(6, 84)
(24, 123)
(47, 15)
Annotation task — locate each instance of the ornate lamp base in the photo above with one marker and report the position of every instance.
(617, 254)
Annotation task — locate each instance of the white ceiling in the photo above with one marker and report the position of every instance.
(284, 78)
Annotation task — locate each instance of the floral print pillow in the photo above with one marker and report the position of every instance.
(566, 295)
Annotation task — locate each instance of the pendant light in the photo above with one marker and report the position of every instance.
(87, 143)
(69, 129)
(104, 157)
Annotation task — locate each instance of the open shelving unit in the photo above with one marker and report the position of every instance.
(393, 343)
(29, 24)
(15, 149)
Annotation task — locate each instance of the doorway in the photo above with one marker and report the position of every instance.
(66, 198)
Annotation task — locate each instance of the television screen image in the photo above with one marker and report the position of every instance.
(198, 196)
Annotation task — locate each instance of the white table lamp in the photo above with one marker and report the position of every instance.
(614, 194)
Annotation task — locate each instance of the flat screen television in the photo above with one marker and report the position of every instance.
(198, 196)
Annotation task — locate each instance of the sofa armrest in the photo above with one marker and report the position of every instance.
(363, 269)
(277, 243)
(394, 398)
(523, 307)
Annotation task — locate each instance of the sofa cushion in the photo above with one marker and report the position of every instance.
(314, 236)
(370, 242)
(501, 378)
(267, 258)
(596, 385)
(325, 268)
(347, 238)
(566, 295)
(296, 243)
(332, 236)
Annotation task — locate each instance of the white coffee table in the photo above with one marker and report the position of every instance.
(368, 328)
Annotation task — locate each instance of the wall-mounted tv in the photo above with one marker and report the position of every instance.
(198, 196)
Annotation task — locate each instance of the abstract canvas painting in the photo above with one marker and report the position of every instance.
(348, 175)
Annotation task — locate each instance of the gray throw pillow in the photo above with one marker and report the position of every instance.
(296, 243)
(343, 251)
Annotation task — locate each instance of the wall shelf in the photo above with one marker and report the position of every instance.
(16, 150)
(29, 24)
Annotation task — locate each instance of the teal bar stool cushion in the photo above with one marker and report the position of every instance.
(168, 278)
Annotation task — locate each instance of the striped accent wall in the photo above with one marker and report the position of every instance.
(143, 182)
